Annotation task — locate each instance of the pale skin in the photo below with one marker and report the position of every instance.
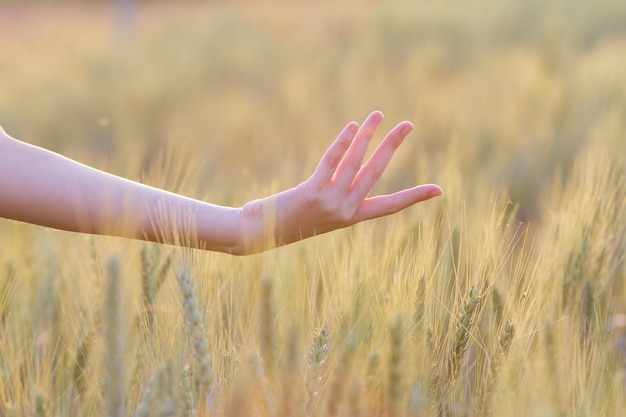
(41, 187)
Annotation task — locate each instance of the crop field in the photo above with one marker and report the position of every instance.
(506, 296)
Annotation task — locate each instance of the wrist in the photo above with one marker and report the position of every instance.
(258, 225)
(220, 229)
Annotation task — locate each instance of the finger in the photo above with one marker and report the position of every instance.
(384, 205)
(371, 172)
(351, 163)
(335, 153)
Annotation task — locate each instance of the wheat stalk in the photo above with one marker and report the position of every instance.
(114, 358)
(80, 364)
(356, 399)
(263, 383)
(504, 343)
(417, 403)
(290, 395)
(267, 327)
(339, 381)
(7, 286)
(587, 316)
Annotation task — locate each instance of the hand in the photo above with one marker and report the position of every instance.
(336, 195)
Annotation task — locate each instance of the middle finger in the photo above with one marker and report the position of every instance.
(374, 168)
(351, 163)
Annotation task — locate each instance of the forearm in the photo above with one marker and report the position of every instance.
(44, 188)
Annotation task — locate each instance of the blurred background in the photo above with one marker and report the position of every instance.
(231, 100)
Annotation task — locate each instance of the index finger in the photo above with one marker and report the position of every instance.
(335, 153)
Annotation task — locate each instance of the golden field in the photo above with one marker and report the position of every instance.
(503, 297)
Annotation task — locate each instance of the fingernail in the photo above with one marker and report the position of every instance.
(377, 116)
(436, 192)
(406, 129)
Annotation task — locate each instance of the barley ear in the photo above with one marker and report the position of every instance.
(187, 392)
(498, 304)
(316, 365)
(504, 343)
(200, 346)
(373, 390)
(40, 408)
(162, 274)
(441, 385)
(147, 286)
(159, 399)
(507, 337)
(461, 337)
(395, 369)
(420, 301)
(430, 338)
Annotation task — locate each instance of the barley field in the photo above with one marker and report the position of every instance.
(503, 297)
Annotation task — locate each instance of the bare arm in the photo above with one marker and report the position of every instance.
(44, 188)
(41, 187)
